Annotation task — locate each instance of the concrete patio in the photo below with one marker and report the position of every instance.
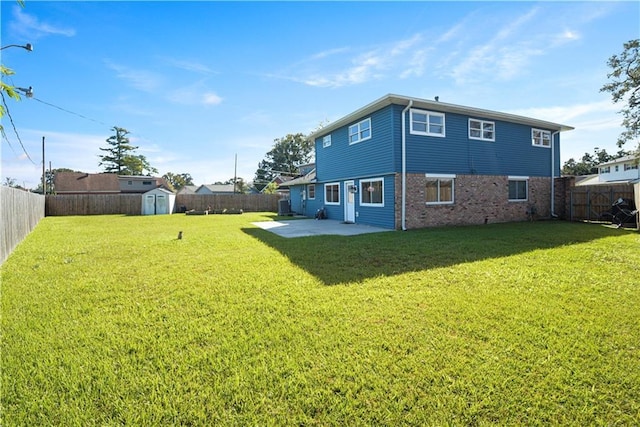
(314, 227)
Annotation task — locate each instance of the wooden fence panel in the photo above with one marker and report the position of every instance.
(588, 203)
(246, 202)
(131, 204)
(94, 204)
(20, 212)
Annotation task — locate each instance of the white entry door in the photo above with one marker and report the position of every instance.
(349, 201)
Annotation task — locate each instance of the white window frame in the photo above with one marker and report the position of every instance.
(438, 178)
(482, 124)
(427, 123)
(309, 192)
(331, 184)
(524, 179)
(357, 130)
(369, 181)
(606, 169)
(539, 141)
(630, 166)
(326, 141)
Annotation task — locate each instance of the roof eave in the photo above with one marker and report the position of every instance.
(439, 106)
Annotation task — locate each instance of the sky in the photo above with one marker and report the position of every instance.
(199, 84)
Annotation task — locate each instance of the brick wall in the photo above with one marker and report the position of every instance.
(478, 198)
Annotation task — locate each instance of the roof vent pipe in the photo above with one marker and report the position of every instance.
(404, 167)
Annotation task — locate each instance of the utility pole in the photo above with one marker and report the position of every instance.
(44, 181)
(235, 175)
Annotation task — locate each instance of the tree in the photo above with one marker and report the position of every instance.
(9, 182)
(271, 188)
(589, 163)
(625, 87)
(178, 180)
(120, 158)
(284, 158)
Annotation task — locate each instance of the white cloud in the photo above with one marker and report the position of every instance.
(187, 65)
(194, 94)
(64, 150)
(29, 26)
(329, 52)
(568, 113)
(144, 80)
(211, 98)
(373, 64)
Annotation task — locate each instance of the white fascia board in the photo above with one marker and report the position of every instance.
(439, 107)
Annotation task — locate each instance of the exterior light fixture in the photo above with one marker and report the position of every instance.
(27, 91)
(27, 46)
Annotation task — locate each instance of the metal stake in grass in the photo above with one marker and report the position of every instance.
(179, 235)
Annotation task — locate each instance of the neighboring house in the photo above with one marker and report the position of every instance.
(104, 183)
(188, 189)
(621, 170)
(216, 189)
(140, 184)
(85, 183)
(404, 163)
(303, 188)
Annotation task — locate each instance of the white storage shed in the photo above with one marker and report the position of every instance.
(158, 202)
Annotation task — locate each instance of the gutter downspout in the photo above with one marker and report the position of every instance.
(404, 168)
(553, 172)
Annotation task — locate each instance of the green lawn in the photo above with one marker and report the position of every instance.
(111, 320)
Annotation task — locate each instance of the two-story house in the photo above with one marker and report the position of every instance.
(621, 170)
(403, 163)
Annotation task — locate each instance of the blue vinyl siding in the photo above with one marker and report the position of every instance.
(306, 207)
(342, 160)
(374, 215)
(510, 154)
(295, 197)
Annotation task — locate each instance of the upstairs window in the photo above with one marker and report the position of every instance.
(482, 130)
(332, 194)
(629, 166)
(427, 123)
(360, 131)
(326, 141)
(540, 138)
(518, 188)
(606, 169)
(371, 192)
(439, 189)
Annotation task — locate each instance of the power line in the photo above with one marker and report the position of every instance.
(69, 111)
(6, 109)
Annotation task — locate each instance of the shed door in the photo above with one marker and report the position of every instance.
(162, 204)
(150, 204)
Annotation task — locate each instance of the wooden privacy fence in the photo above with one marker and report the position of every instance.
(131, 204)
(94, 204)
(588, 203)
(20, 212)
(246, 202)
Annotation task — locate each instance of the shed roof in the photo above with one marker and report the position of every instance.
(436, 106)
